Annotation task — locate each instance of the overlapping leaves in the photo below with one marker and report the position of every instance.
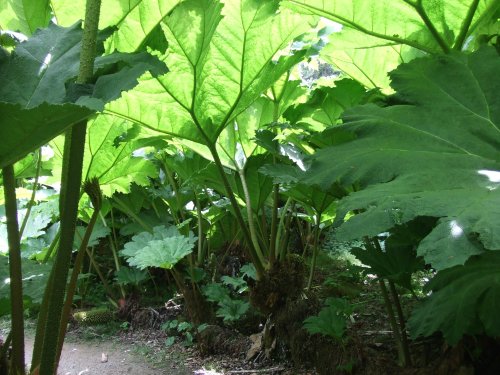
(109, 145)
(136, 21)
(24, 16)
(391, 32)
(465, 300)
(37, 98)
(35, 277)
(221, 59)
(435, 155)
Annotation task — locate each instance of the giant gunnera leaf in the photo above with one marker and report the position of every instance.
(465, 300)
(436, 153)
(163, 248)
(222, 56)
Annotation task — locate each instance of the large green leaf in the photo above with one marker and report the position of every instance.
(24, 16)
(41, 216)
(355, 53)
(465, 300)
(39, 68)
(36, 73)
(21, 130)
(397, 261)
(99, 231)
(35, 277)
(130, 276)
(136, 21)
(221, 60)
(437, 155)
(391, 32)
(163, 248)
(109, 146)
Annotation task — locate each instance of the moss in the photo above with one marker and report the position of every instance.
(94, 317)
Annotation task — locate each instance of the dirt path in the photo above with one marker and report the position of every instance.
(106, 358)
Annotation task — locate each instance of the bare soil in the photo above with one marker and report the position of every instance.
(107, 358)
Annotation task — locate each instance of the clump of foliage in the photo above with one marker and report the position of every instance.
(184, 330)
(229, 308)
(331, 320)
(232, 145)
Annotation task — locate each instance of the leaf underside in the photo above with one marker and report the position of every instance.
(435, 155)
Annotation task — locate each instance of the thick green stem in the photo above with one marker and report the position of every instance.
(464, 29)
(93, 190)
(201, 254)
(70, 194)
(286, 238)
(486, 13)
(40, 326)
(280, 245)
(114, 245)
(393, 323)
(250, 218)
(274, 226)
(74, 147)
(175, 188)
(402, 324)
(114, 252)
(16, 278)
(273, 246)
(33, 194)
(406, 360)
(317, 231)
(402, 359)
(263, 230)
(418, 6)
(259, 266)
(305, 235)
(52, 246)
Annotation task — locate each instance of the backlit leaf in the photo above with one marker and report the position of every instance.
(379, 35)
(221, 59)
(24, 16)
(109, 156)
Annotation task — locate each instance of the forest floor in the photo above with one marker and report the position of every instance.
(110, 350)
(104, 358)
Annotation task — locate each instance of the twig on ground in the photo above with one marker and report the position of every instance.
(259, 371)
